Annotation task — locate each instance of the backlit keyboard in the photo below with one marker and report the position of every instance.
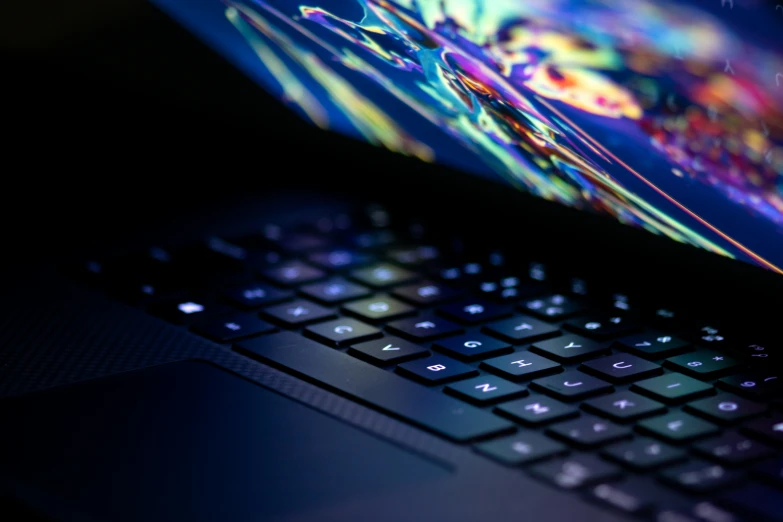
(635, 408)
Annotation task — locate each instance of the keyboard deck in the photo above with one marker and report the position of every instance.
(625, 402)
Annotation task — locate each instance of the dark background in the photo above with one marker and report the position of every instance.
(114, 124)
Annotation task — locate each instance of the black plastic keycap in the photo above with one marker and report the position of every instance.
(537, 410)
(725, 408)
(335, 290)
(521, 449)
(233, 327)
(677, 427)
(436, 370)
(653, 345)
(621, 367)
(521, 329)
(391, 393)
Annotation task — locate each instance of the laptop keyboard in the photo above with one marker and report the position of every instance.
(629, 405)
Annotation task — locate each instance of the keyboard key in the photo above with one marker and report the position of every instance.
(388, 350)
(379, 388)
(602, 326)
(472, 347)
(757, 502)
(427, 293)
(475, 311)
(340, 259)
(537, 410)
(509, 289)
(297, 242)
(700, 477)
(760, 355)
(677, 427)
(521, 330)
(486, 389)
(233, 328)
(188, 311)
(757, 385)
(436, 370)
(708, 334)
(672, 388)
(629, 497)
(653, 345)
(383, 275)
(570, 348)
(340, 332)
(424, 328)
(575, 472)
(588, 432)
(290, 273)
(769, 430)
(643, 454)
(624, 406)
(256, 295)
(703, 364)
(621, 367)
(298, 313)
(378, 308)
(572, 385)
(771, 471)
(335, 290)
(726, 409)
(732, 449)
(521, 366)
(520, 449)
(552, 308)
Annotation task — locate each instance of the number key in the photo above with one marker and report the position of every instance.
(570, 348)
(520, 366)
(653, 345)
(521, 449)
(672, 388)
(677, 427)
(521, 329)
(726, 409)
(704, 364)
(572, 385)
(602, 327)
(378, 308)
(341, 331)
(552, 308)
(588, 432)
(621, 367)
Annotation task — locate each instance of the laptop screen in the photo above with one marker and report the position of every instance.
(665, 115)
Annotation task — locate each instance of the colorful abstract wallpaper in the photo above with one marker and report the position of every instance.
(664, 115)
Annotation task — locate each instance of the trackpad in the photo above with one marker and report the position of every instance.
(189, 441)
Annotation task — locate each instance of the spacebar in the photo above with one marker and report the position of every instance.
(379, 388)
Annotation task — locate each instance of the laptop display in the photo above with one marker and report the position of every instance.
(666, 116)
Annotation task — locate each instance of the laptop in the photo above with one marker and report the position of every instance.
(448, 260)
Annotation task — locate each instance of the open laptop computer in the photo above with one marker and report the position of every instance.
(557, 298)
